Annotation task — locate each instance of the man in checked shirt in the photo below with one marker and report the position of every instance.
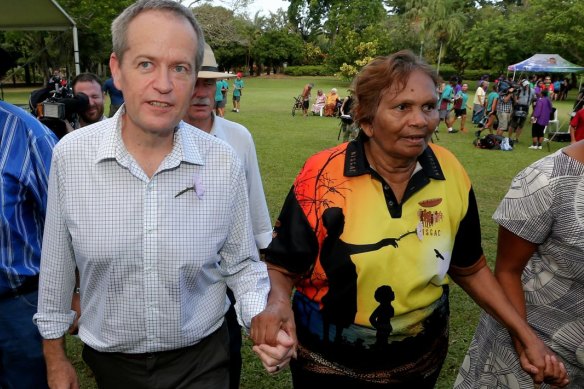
(155, 216)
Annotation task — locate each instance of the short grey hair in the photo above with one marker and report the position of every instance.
(121, 23)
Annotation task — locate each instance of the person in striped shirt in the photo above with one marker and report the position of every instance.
(26, 148)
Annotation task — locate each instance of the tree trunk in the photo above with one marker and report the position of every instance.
(439, 57)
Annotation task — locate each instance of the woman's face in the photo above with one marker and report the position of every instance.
(404, 122)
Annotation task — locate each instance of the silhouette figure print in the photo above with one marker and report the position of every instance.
(380, 319)
(339, 305)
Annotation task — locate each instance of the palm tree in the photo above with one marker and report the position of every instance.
(439, 21)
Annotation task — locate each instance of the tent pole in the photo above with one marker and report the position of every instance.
(76, 50)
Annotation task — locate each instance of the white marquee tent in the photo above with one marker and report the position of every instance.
(545, 63)
(38, 15)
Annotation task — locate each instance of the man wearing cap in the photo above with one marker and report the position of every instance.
(521, 103)
(201, 115)
(237, 87)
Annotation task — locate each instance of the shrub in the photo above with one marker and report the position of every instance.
(308, 70)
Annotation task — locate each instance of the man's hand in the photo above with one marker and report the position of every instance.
(61, 375)
(273, 330)
(60, 371)
(277, 358)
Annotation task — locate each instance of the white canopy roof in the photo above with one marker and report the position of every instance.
(38, 15)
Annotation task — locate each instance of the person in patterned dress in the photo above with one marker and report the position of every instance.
(540, 264)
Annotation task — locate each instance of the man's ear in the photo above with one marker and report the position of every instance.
(115, 65)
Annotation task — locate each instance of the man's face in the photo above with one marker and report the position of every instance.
(92, 89)
(157, 74)
(202, 101)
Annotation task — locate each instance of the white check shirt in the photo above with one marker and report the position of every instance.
(153, 267)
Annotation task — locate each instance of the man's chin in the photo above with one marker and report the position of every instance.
(90, 120)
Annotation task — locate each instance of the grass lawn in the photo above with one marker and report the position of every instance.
(283, 142)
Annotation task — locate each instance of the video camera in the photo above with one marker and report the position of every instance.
(62, 105)
(56, 106)
(508, 87)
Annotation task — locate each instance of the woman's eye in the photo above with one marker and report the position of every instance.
(429, 107)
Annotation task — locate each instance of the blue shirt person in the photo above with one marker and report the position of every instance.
(26, 148)
(116, 96)
(237, 87)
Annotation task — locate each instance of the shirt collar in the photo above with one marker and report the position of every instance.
(216, 129)
(356, 163)
(184, 149)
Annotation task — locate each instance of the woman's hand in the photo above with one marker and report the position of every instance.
(265, 326)
(276, 358)
(541, 363)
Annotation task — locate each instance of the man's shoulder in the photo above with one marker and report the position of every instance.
(26, 122)
(231, 126)
(203, 141)
(233, 133)
(88, 135)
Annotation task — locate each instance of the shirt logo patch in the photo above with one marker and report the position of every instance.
(430, 203)
(428, 220)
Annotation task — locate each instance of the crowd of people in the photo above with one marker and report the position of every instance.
(505, 107)
(148, 233)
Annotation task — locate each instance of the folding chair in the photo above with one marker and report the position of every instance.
(556, 126)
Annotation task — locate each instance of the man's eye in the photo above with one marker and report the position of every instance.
(145, 65)
(180, 69)
(429, 107)
(209, 82)
(401, 107)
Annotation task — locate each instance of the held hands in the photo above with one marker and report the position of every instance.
(273, 333)
(542, 364)
(276, 358)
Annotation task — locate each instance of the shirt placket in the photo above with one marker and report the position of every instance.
(151, 276)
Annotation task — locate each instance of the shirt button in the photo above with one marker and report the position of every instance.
(385, 187)
(390, 203)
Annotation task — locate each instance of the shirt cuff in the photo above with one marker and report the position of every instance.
(263, 239)
(249, 306)
(470, 270)
(55, 325)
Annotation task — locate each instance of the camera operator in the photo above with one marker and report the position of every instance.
(504, 108)
(522, 99)
(90, 85)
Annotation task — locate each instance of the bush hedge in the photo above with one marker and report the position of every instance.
(446, 71)
(309, 70)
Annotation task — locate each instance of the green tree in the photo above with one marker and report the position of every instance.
(437, 22)
(275, 47)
